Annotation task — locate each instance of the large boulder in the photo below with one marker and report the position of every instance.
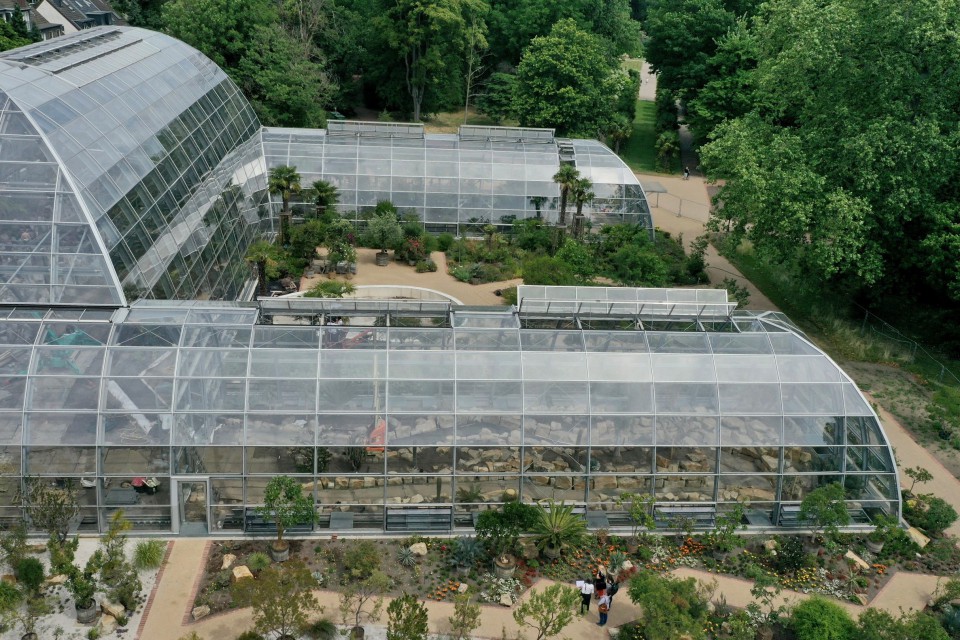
(228, 560)
(419, 549)
(112, 608)
(200, 612)
(108, 624)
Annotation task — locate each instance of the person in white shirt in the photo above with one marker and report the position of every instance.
(586, 592)
(603, 606)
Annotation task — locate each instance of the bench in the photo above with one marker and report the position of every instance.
(253, 522)
(702, 515)
(420, 519)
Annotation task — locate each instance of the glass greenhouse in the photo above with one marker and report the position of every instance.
(457, 182)
(132, 167)
(416, 415)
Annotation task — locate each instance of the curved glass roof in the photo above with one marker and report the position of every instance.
(128, 143)
(480, 175)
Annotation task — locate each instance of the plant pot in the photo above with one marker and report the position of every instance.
(382, 259)
(88, 614)
(874, 547)
(411, 263)
(551, 551)
(281, 554)
(504, 566)
(30, 636)
(357, 633)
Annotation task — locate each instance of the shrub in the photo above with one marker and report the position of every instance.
(148, 554)
(29, 573)
(10, 597)
(406, 557)
(791, 556)
(322, 629)
(933, 515)
(444, 240)
(250, 635)
(362, 559)
(426, 266)
(258, 561)
(819, 619)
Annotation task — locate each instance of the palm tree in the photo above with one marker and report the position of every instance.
(261, 253)
(285, 181)
(567, 178)
(537, 202)
(582, 194)
(325, 194)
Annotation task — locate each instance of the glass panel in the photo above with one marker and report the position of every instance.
(502, 365)
(750, 398)
(136, 460)
(796, 488)
(488, 429)
(687, 430)
(282, 395)
(488, 459)
(808, 459)
(747, 369)
(208, 429)
(565, 397)
(137, 428)
(617, 430)
(749, 460)
(12, 391)
(489, 396)
(554, 366)
(419, 429)
(283, 363)
(553, 487)
(60, 461)
(344, 429)
(685, 398)
(621, 459)
(553, 429)
(485, 490)
(199, 394)
(807, 369)
(204, 363)
(812, 431)
(619, 367)
(613, 397)
(142, 362)
(419, 365)
(419, 460)
(864, 431)
(748, 488)
(750, 430)
(352, 364)
(204, 460)
(683, 368)
(61, 428)
(869, 459)
(288, 430)
(684, 488)
(138, 394)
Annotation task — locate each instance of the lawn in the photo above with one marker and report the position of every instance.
(450, 121)
(638, 151)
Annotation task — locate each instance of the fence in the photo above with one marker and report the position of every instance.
(679, 207)
(919, 355)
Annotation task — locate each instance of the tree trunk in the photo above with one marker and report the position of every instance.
(262, 278)
(563, 207)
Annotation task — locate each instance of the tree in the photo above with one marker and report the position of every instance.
(619, 130)
(285, 181)
(496, 100)
(281, 598)
(51, 507)
(877, 624)
(262, 254)
(548, 271)
(285, 503)
(325, 194)
(384, 230)
(819, 619)
(582, 194)
(9, 38)
(357, 594)
(933, 515)
(474, 50)
(406, 619)
(565, 81)
(672, 608)
(114, 571)
(638, 266)
(918, 475)
(567, 177)
(426, 35)
(549, 611)
(466, 617)
(825, 509)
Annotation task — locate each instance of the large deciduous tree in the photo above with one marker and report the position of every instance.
(428, 36)
(847, 166)
(565, 81)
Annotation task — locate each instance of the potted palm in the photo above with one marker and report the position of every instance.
(557, 527)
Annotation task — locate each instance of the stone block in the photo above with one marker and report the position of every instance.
(506, 600)
(419, 549)
(108, 624)
(228, 560)
(114, 609)
(857, 560)
(914, 534)
(241, 572)
(200, 612)
(55, 580)
(417, 499)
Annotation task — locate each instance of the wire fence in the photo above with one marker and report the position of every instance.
(680, 207)
(928, 360)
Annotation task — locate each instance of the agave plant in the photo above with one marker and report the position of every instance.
(557, 527)
(406, 557)
(465, 552)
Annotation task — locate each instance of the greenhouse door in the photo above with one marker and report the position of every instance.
(191, 508)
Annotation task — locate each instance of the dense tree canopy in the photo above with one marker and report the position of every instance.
(565, 81)
(846, 165)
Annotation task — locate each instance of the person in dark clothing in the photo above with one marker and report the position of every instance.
(612, 588)
(600, 583)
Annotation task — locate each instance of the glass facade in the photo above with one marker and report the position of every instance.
(129, 144)
(456, 182)
(448, 412)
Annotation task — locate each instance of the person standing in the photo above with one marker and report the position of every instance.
(586, 593)
(603, 606)
(686, 173)
(612, 588)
